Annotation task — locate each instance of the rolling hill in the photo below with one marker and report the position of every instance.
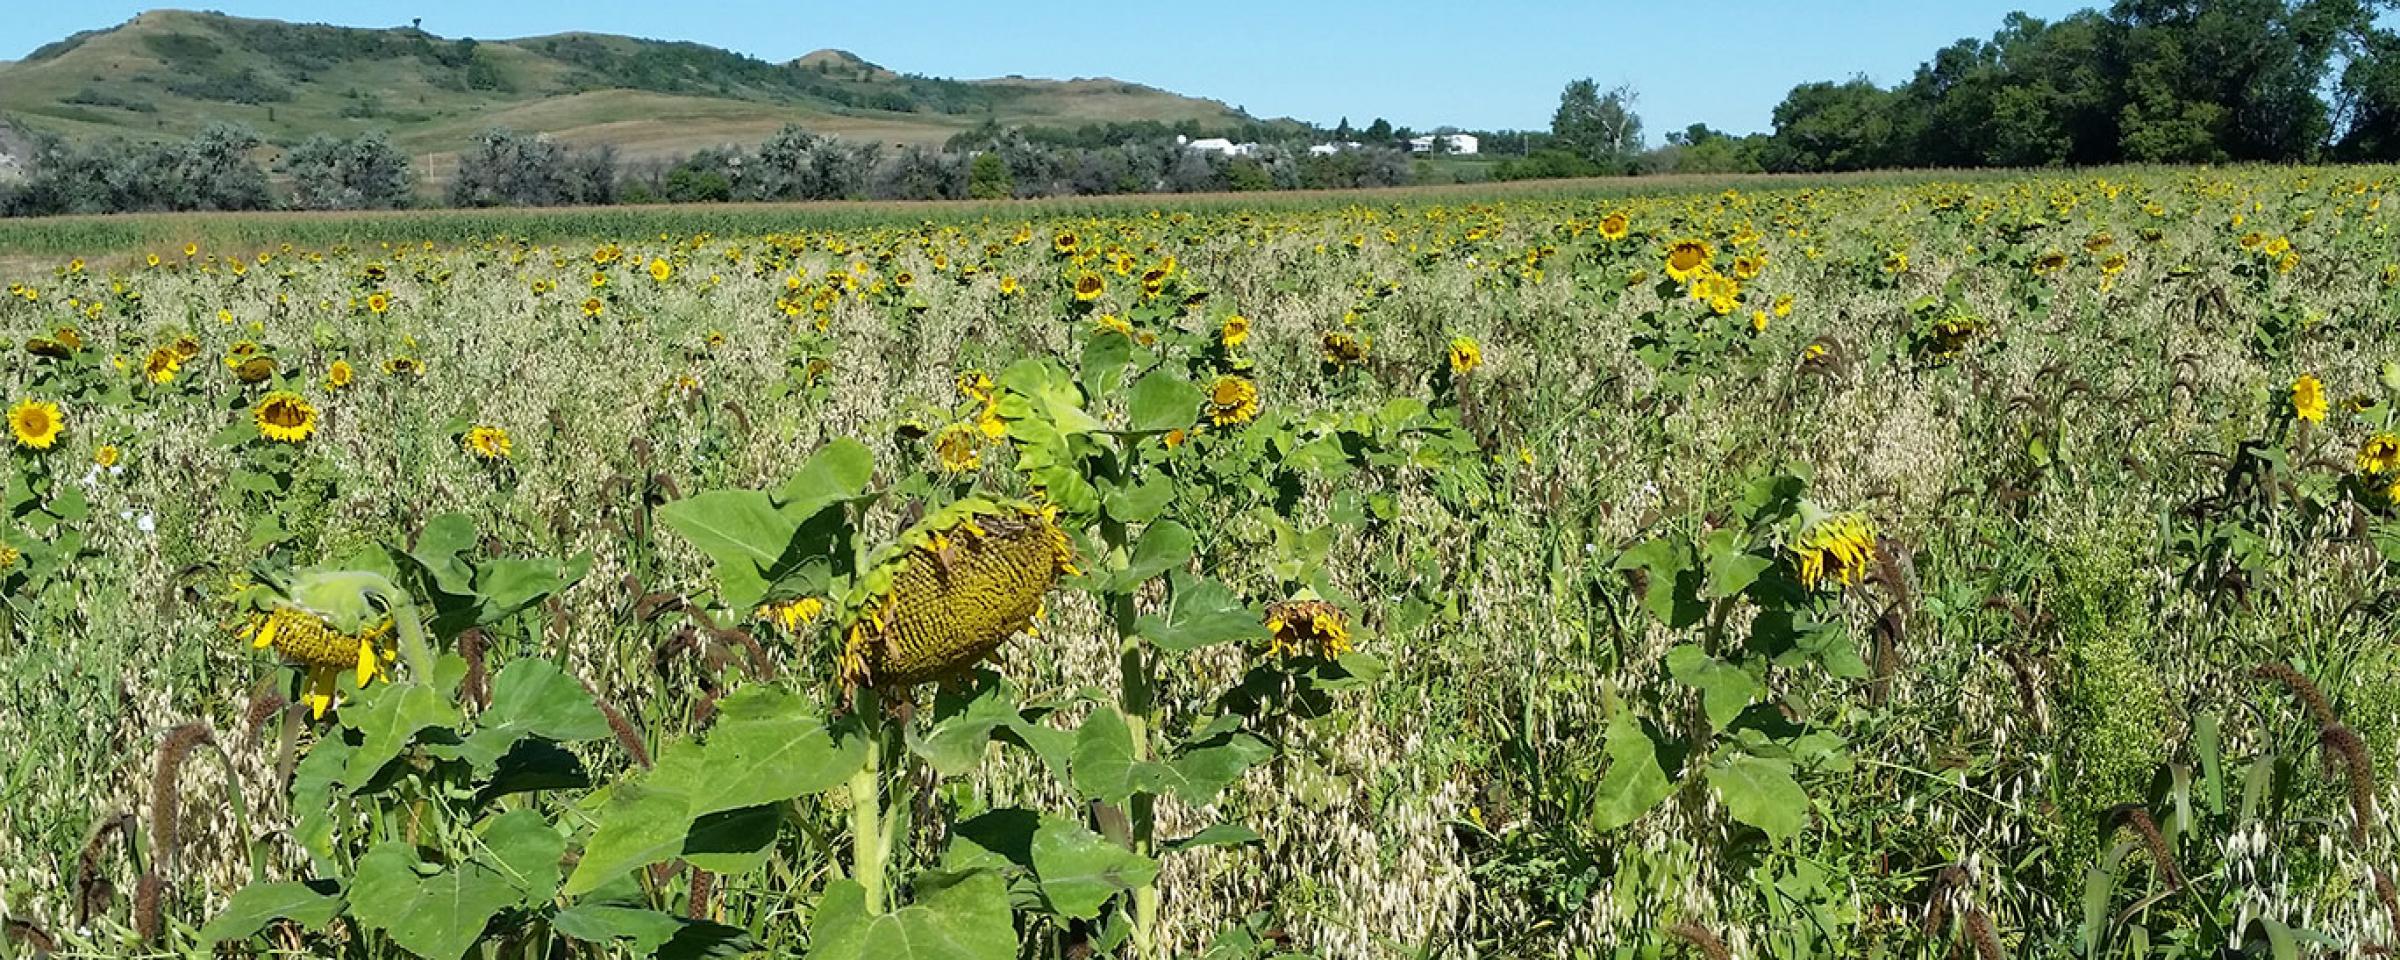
(170, 72)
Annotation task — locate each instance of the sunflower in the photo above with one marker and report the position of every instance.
(2379, 455)
(1748, 267)
(959, 447)
(254, 369)
(2308, 398)
(950, 591)
(161, 365)
(186, 347)
(792, 614)
(1837, 548)
(1720, 292)
(404, 366)
(1089, 287)
(488, 443)
(107, 456)
(1342, 348)
(2049, 263)
(1009, 287)
(339, 375)
(36, 423)
(1234, 331)
(592, 307)
(309, 642)
(660, 270)
(1232, 399)
(1308, 627)
(1687, 259)
(1783, 306)
(1615, 226)
(379, 302)
(1895, 263)
(1465, 356)
(284, 417)
(1064, 243)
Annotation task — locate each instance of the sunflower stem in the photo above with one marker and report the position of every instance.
(867, 840)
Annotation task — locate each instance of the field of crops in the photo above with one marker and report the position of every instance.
(1991, 568)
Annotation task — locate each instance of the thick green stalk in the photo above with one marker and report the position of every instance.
(868, 844)
(1140, 703)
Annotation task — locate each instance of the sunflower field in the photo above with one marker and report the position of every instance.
(2001, 568)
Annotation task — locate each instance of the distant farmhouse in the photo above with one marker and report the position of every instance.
(1459, 143)
(1220, 146)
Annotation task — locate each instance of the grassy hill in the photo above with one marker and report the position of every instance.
(169, 72)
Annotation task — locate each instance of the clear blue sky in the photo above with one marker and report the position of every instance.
(1421, 63)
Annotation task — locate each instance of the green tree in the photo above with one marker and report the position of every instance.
(989, 179)
(1599, 127)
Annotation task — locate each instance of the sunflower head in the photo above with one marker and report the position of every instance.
(950, 591)
(1234, 332)
(1688, 258)
(339, 375)
(487, 443)
(1836, 548)
(36, 424)
(1089, 287)
(1307, 627)
(312, 642)
(2308, 398)
(959, 447)
(1615, 226)
(284, 417)
(161, 365)
(1342, 348)
(1231, 399)
(254, 369)
(2380, 455)
(1465, 356)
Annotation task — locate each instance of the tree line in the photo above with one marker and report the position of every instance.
(218, 169)
(2147, 81)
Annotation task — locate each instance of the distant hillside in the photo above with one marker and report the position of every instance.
(169, 72)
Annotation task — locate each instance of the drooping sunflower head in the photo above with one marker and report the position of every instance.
(1232, 399)
(1089, 287)
(1307, 627)
(404, 366)
(1837, 548)
(1465, 356)
(255, 369)
(2049, 263)
(1342, 348)
(950, 591)
(2380, 455)
(487, 443)
(311, 642)
(36, 424)
(2308, 398)
(284, 417)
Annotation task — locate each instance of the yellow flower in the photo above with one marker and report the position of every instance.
(1307, 628)
(284, 417)
(1342, 348)
(339, 375)
(1749, 267)
(1688, 259)
(1089, 287)
(309, 642)
(2380, 454)
(1234, 332)
(592, 306)
(1783, 306)
(107, 456)
(791, 614)
(1232, 399)
(1009, 287)
(1837, 548)
(1615, 226)
(2308, 398)
(1115, 324)
(1895, 263)
(404, 366)
(959, 447)
(161, 365)
(661, 270)
(1465, 356)
(1720, 292)
(379, 302)
(1064, 242)
(488, 443)
(36, 423)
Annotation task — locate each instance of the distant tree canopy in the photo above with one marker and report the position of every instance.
(2182, 81)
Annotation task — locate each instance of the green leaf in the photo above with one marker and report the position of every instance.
(1221, 835)
(741, 531)
(1732, 568)
(1163, 401)
(1103, 760)
(2207, 742)
(1672, 590)
(837, 472)
(962, 726)
(1635, 782)
(533, 698)
(1761, 792)
(731, 842)
(1199, 773)
(1725, 690)
(440, 547)
(768, 745)
(254, 906)
(1200, 612)
(1105, 357)
(390, 722)
(436, 917)
(1139, 503)
(1079, 870)
(967, 920)
(645, 930)
(522, 848)
(639, 826)
(1163, 546)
